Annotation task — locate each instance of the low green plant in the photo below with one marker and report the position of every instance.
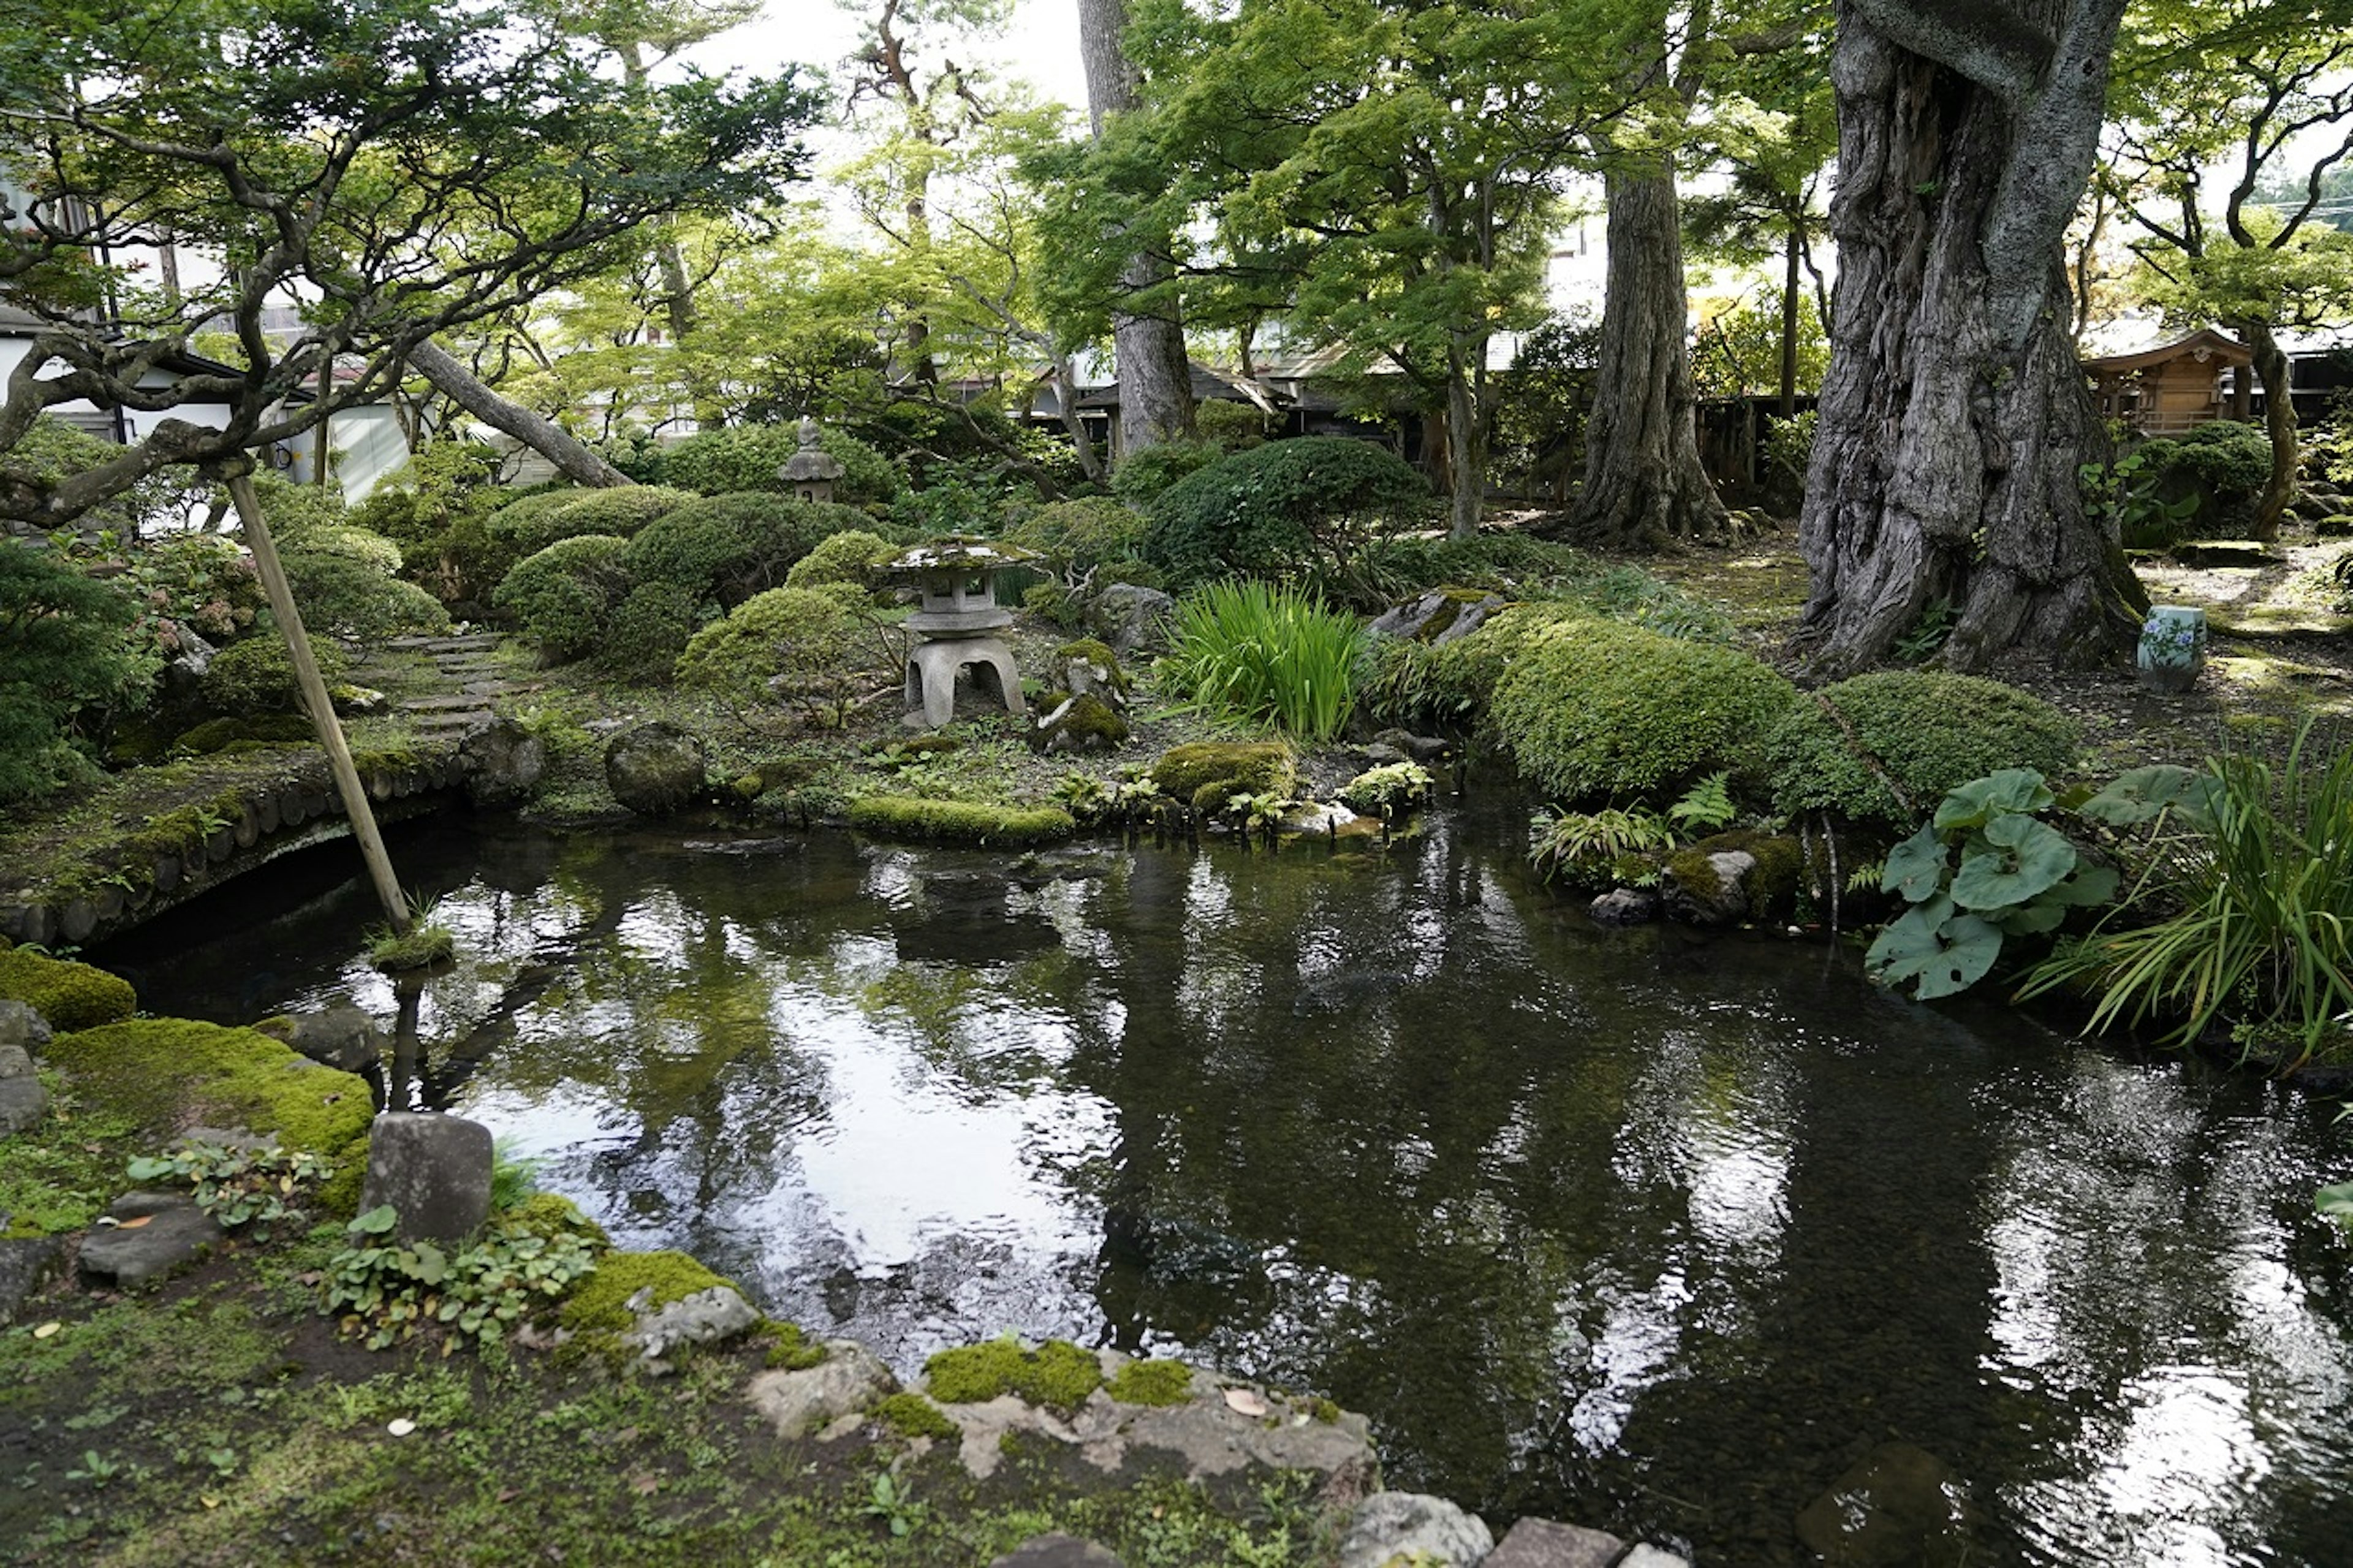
(1985, 868)
(386, 1293)
(1586, 849)
(426, 942)
(1152, 1381)
(236, 1186)
(1388, 790)
(891, 1502)
(2250, 888)
(959, 821)
(1882, 747)
(256, 675)
(1057, 1374)
(912, 1416)
(1267, 654)
(1707, 807)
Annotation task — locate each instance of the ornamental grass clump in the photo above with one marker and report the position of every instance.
(2249, 872)
(1269, 655)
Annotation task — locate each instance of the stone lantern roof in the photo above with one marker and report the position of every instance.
(812, 464)
(958, 554)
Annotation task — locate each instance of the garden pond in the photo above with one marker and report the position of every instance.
(1645, 1229)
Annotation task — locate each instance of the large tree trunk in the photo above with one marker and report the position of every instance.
(1643, 486)
(2279, 423)
(1954, 418)
(1790, 283)
(464, 388)
(1466, 442)
(1155, 382)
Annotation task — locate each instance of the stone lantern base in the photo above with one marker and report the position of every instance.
(932, 669)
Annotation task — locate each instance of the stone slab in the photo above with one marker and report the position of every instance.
(22, 1103)
(1056, 1551)
(850, 1380)
(1427, 1531)
(156, 1245)
(1540, 1544)
(434, 1169)
(27, 1263)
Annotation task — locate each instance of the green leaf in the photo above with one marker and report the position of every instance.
(144, 1168)
(2036, 919)
(426, 1265)
(1916, 867)
(2088, 885)
(1942, 951)
(2144, 793)
(1979, 801)
(376, 1221)
(2336, 1202)
(2021, 858)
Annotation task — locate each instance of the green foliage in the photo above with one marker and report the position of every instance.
(1263, 513)
(1143, 477)
(912, 1416)
(481, 553)
(2129, 490)
(1594, 848)
(650, 627)
(728, 548)
(341, 595)
(416, 507)
(2247, 896)
(1383, 572)
(480, 1291)
(70, 995)
(170, 1073)
(50, 450)
(237, 1187)
(426, 943)
(799, 646)
(1229, 424)
(205, 582)
(1881, 746)
(601, 1304)
(1270, 655)
(1736, 353)
(564, 596)
(1152, 1381)
(1072, 538)
(1706, 806)
(1388, 791)
(959, 821)
(1790, 447)
(622, 509)
(1058, 1374)
(1592, 709)
(1450, 685)
(854, 556)
(2015, 876)
(66, 652)
(256, 676)
(739, 457)
(2204, 481)
(1260, 767)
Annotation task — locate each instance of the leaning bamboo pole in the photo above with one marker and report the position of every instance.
(313, 687)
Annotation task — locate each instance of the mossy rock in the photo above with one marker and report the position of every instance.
(959, 821)
(1082, 724)
(1696, 888)
(1259, 767)
(552, 1214)
(1058, 1374)
(912, 1416)
(598, 1305)
(169, 1074)
(790, 1349)
(69, 995)
(1153, 1382)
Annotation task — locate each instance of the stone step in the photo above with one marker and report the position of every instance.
(469, 643)
(452, 702)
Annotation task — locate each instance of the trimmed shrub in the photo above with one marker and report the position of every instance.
(740, 458)
(794, 645)
(2222, 464)
(1450, 685)
(1263, 512)
(650, 627)
(1592, 710)
(443, 481)
(256, 676)
(854, 557)
(358, 545)
(69, 995)
(1232, 427)
(1072, 538)
(65, 645)
(1143, 477)
(483, 551)
(728, 548)
(1889, 745)
(959, 821)
(563, 597)
(342, 595)
(622, 511)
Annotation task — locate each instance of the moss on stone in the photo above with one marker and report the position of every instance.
(959, 821)
(599, 1304)
(1091, 719)
(69, 995)
(789, 1350)
(1153, 1382)
(1325, 1411)
(173, 1073)
(1258, 766)
(1771, 891)
(1057, 1374)
(551, 1214)
(912, 1416)
(1212, 798)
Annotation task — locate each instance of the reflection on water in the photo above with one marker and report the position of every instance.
(1635, 1228)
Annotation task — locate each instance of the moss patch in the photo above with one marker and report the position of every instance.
(171, 1073)
(959, 821)
(912, 1416)
(789, 1350)
(1057, 1374)
(1153, 1382)
(69, 995)
(1259, 767)
(599, 1304)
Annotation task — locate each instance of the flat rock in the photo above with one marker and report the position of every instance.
(1540, 1544)
(1899, 1507)
(1646, 1555)
(849, 1379)
(22, 1103)
(172, 1235)
(27, 1263)
(1424, 1531)
(1056, 1551)
(706, 1316)
(434, 1169)
(345, 1037)
(1625, 907)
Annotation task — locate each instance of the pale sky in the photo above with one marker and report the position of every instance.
(1041, 45)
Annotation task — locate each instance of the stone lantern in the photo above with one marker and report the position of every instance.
(958, 623)
(812, 471)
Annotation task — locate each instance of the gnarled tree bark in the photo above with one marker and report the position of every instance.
(1155, 381)
(468, 391)
(1954, 418)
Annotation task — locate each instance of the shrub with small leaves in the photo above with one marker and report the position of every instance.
(1886, 746)
(564, 596)
(236, 1186)
(256, 676)
(386, 1292)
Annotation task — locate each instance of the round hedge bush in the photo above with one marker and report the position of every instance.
(564, 595)
(1926, 730)
(1592, 709)
(729, 548)
(794, 645)
(650, 629)
(1072, 537)
(347, 597)
(854, 556)
(1261, 513)
(256, 675)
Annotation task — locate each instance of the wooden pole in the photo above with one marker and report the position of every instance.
(314, 688)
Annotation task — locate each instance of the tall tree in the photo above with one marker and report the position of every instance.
(401, 167)
(1954, 416)
(2256, 89)
(1156, 376)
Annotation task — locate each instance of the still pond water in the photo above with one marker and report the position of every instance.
(1639, 1229)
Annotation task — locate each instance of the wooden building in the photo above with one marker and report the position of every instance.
(2165, 390)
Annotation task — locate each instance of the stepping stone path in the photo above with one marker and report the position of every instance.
(476, 681)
